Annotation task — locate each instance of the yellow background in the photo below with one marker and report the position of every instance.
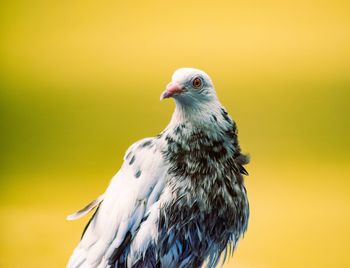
(80, 81)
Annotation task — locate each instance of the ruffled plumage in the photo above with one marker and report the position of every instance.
(179, 198)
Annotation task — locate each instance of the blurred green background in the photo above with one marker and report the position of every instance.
(80, 81)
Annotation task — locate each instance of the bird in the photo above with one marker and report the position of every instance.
(179, 198)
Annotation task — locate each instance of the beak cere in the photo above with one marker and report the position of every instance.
(171, 90)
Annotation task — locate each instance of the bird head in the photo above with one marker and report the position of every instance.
(189, 86)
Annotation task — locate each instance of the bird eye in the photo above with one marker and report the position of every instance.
(197, 83)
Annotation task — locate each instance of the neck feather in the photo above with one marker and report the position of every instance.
(196, 114)
(208, 117)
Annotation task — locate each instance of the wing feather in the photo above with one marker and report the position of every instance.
(86, 209)
(127, 204)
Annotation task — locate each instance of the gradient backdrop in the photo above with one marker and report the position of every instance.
(80, 81)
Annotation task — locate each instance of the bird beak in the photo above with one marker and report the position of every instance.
(171, 90)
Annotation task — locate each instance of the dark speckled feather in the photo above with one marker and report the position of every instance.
(210, 209)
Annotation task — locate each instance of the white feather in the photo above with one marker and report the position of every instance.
(86, 209)
(125, 203)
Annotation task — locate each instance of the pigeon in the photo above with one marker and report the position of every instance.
(179, 198)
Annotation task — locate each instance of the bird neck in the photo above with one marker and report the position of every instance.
(206, 117)
(195, 113)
